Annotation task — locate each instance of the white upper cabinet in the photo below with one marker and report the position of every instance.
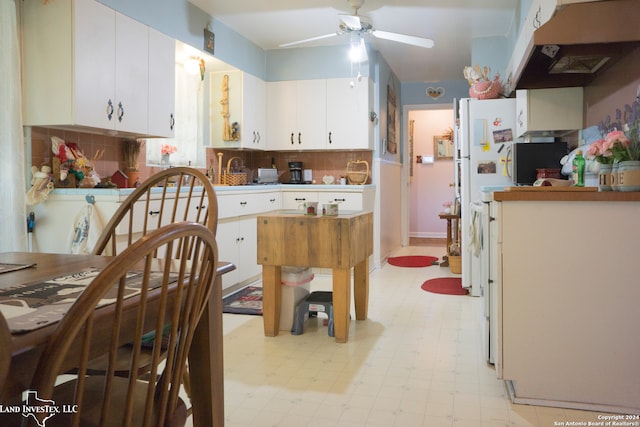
(131, 92)
(548, 112)
(254, 115)
(162, 103)
(348, 110)
(318, 114)
(86, 67)
(296, 113)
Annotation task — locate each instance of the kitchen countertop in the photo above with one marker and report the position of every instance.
(566, 196)
(220, 188)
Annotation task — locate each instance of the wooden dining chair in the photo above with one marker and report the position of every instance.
(172, 195)
(5, 349)
(171, 292)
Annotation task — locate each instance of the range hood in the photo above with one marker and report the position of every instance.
(579, 42)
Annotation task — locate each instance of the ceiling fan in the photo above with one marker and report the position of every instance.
(354, 25)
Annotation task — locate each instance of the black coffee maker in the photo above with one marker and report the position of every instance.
(295, 173)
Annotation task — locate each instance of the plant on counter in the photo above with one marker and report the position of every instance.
(621, 139)
(130, 153)
(167, 149)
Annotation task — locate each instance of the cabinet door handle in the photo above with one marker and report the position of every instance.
(109, 110)
(521, 118)
(254, 136)
(339, 200)
(120, 111)
(272, 200)
(300, 199)
(154, 213)
(258, 133)
(291, 138)
(243, 203)
(201, 207)
(299, 137)
(330, 141)
(172, 121)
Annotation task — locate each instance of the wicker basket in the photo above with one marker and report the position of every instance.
(455, 264)
(355, 173)
(233, 178)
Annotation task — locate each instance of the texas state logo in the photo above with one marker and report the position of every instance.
(41, 410)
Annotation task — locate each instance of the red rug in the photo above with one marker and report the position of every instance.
(412, 261)
(445, 285)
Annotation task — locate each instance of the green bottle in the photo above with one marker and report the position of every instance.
(578, 169)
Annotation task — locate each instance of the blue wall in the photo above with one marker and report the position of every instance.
(490, 52)
(416, 93)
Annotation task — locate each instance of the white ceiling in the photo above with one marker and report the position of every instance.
(450, 23)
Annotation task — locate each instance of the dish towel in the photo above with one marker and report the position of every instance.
(86, 231)
(475, 231)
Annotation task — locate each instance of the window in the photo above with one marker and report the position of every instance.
(190, 124)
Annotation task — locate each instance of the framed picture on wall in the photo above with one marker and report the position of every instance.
(392, 115)
(442, 147)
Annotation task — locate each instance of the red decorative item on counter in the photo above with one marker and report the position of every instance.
(548, 173)
(120, 179)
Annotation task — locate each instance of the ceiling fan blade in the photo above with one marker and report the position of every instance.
(403, 38)
(352, 22)
(308, 40)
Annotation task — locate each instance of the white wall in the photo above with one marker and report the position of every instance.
(387, 217)
(430, 185)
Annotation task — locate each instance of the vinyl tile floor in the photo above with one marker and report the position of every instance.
(416, 361)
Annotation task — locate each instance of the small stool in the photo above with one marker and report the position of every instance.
(312, 304)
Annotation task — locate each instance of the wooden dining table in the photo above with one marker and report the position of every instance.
(205, 355)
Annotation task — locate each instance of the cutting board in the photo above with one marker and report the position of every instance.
(567, 189)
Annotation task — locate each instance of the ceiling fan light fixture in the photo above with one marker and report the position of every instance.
(358, 50)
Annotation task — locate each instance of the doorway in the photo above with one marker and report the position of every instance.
(427, 179)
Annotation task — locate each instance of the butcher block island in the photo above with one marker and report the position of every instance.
(568, 293)
(338, 242)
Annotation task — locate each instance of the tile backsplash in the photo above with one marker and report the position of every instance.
(322, 163)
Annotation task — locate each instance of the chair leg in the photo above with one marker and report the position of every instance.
(186, 381)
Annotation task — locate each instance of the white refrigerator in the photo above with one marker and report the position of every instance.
(484, 132)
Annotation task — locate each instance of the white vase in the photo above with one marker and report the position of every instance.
(166, 158)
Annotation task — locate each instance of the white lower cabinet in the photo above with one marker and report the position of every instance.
(293, 199)
(345, 201)
(349, 198)
(568, 315)
(237, 236)
(237, 243)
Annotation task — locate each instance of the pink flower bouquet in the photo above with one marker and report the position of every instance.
(168, 149)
